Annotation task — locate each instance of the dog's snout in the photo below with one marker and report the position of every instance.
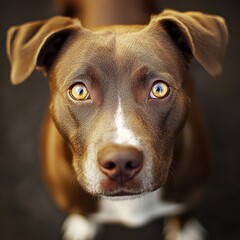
(120, 163)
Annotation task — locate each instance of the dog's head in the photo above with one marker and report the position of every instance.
(117, 92)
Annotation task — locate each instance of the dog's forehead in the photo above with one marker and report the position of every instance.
(113, 53)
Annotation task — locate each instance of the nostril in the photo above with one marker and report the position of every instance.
(109, 165)
(131, 165)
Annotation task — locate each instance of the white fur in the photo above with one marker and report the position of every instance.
(91, 170)
(123, 134)
(191, 231)
(130, 211)
(137, 211)
(76, 227)
(120, 135)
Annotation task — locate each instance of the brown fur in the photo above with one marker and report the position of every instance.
(125, 58)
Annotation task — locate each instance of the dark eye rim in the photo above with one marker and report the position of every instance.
(71, 95)
(166, 95)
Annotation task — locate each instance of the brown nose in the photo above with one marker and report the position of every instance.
(120, 163)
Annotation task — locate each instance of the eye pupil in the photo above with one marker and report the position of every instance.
(159, 89)
(79, 90)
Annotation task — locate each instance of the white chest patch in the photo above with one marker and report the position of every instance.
(134, 212)
(123, 134)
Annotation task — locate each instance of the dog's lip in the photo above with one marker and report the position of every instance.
(122, 193)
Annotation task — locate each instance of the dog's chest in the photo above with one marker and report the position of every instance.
(136, 211)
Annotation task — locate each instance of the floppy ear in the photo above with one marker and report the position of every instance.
(36, 45)
(200, 35)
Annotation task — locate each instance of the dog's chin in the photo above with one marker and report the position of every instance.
(122, 197)
(124, 193)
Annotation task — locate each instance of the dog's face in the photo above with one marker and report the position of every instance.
(132, 96)
(118, 98)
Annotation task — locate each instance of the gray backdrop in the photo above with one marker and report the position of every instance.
(26, 208)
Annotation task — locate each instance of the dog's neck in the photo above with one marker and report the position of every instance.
(114, 12)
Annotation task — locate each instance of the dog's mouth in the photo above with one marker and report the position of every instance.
(133, 188)
(111, 188)
(122, 196)
(122, 193)
(125, 192)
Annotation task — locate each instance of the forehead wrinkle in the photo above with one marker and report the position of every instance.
(143, 73)
(73, 78)
(101, 59)
(134, 53)
(96, 60)
(125, 50)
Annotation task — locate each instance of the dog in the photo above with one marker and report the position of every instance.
(124, 139)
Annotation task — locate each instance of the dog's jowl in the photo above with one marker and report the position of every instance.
(123, 121)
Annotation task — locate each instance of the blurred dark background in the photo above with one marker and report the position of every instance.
(26, 208)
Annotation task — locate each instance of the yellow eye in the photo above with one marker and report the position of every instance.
(159, 90)
(79, 92)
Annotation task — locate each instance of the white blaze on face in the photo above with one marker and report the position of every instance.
(120, 135)
(123, 134)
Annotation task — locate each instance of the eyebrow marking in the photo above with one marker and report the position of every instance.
(144, 73)
(72, 79)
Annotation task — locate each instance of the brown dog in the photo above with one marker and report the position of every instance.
(123, 119)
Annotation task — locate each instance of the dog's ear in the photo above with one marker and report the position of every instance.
(36, 45)
(200, 35)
